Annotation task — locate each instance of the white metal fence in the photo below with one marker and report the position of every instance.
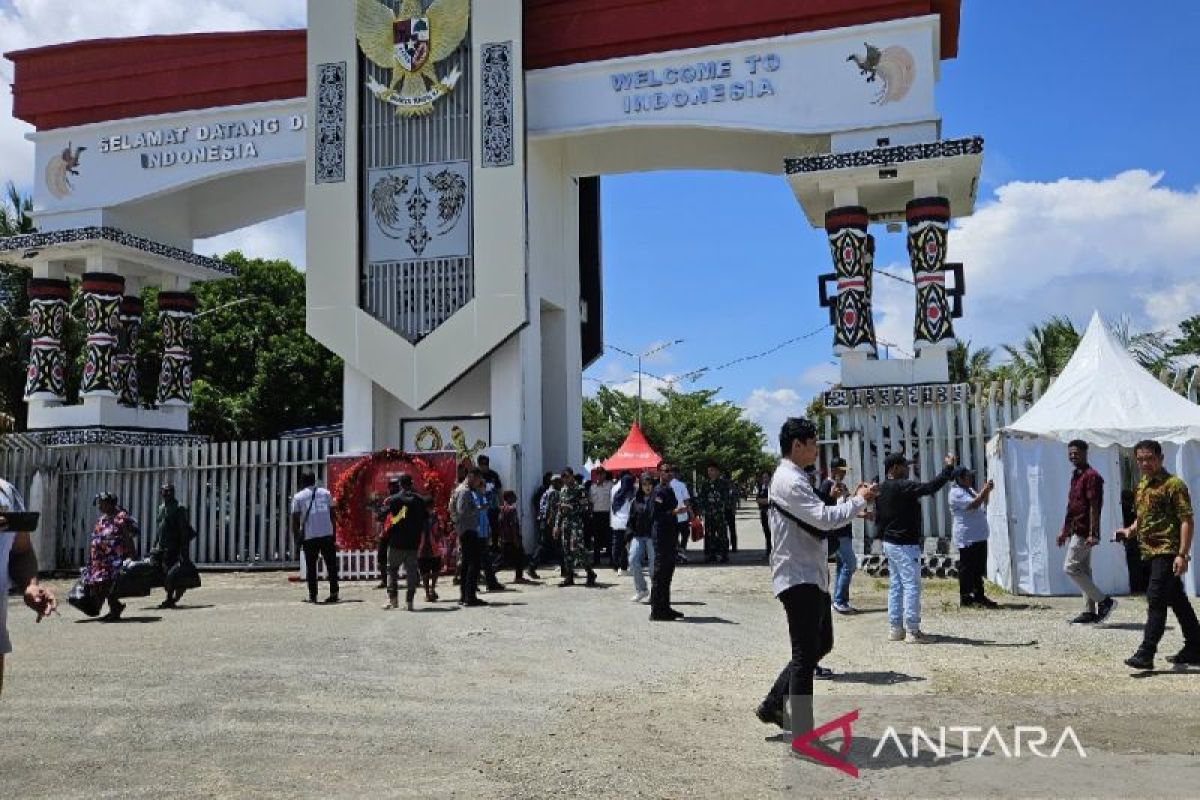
(865, 434)
(237, 493)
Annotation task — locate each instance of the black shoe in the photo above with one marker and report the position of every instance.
(1085, 618)
(1140, 660)
(822, 673)
(533, 574)
(1105, 608)
(987, 602)
(567, 581)
(723, 560)
(1187, 656)
(966, 602)
(311, 600)
(662, 618)
(591, 579)
(497, 587)
(333, 598)
(772, 716)
(674, 614)
(476, 602)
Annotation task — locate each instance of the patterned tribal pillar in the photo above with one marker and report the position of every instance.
(46, 378)
(131, 326)
(928, 224)
(853, 256)
(102, 315)
(175, 312)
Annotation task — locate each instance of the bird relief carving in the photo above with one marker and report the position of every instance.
(893, 68)
(419, 212)
(61, 169)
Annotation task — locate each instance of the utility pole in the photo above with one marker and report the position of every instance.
(639, 357)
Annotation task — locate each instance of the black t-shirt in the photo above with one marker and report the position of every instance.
(664, 502)
(407, 516)
(898, 507)
(825, 492)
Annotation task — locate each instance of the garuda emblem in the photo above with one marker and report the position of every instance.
(410, 43)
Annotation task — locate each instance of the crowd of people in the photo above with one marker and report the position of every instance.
(643, 524)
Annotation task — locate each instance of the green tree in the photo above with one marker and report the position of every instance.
(1045, 351)
(15, 219)
(1188, 343)
(687, 428)
(970, 366)
(1151, 349)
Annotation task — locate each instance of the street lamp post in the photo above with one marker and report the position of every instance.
(639, 357)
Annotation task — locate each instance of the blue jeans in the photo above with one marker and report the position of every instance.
(847, 563)
(904, 591)
(640, 547)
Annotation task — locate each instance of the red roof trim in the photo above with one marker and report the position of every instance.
(79, 83)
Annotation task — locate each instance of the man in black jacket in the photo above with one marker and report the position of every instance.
(898, 523)
(404, 517)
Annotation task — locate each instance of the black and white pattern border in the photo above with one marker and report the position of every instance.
(330, 160)
(497, 101)
(928, 394)
(37, 241)
(885, 156)
(80, 437)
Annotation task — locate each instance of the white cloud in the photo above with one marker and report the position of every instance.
(34, 23)
(770, 407)
(1125, 244)
(277, 238)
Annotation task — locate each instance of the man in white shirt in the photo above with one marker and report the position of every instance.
(312, 526)
(799, 521)
(969, 531)
(18, 563)
(600, 495)
(681, 519)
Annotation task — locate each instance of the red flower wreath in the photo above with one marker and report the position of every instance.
(350, 497)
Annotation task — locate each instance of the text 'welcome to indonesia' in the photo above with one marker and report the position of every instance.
(695, 84)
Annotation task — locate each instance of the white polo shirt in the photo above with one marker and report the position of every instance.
(317, 524)
(682, 495)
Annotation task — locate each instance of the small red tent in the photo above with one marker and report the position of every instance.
(634, 455)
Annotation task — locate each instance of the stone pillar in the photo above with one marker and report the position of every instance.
(853, 258)
(176, 310)
(928, 224)
(46, 378)
(131, 326)
(102, 293)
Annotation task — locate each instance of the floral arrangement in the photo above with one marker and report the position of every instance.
(352, 496)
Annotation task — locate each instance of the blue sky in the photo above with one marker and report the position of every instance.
(1076, 90)
(1088, 200)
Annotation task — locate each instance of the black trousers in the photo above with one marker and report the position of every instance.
(1166, 591)
(972, 564)
(1139, 571)
(810, 629)
(601, 531)
(685, 533)
(516, 556)
(731, 523)
(326, 548)
(546, 551)
(381, 558)
(472, 554)
(766, 528)
(662, 572)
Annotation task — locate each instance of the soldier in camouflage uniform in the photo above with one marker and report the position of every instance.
(715, 497)
(570, 527)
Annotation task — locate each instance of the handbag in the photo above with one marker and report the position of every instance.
(697, 528)
(135, 579)
(183, 575)
(84, 600)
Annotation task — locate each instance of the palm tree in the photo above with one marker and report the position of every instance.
(970, 367)
(1045, 351)
(1151, 349)
(16, 212)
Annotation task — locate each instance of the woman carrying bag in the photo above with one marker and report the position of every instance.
(111, 544)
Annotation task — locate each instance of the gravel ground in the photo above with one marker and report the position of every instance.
(246, 692)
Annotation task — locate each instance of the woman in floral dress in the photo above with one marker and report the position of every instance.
(111, 543)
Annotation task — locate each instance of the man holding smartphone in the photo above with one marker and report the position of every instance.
(18, 563)
(969, 530)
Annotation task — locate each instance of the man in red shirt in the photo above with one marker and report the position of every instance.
(1081, 532)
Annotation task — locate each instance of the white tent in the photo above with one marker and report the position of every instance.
(1108, 400)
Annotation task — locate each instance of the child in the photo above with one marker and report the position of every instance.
(508, 530)
(430, 556)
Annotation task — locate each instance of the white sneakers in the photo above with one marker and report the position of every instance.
(914, 637)
(896, 635)
(640, 597)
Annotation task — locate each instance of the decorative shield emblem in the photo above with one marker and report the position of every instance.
(411, 37)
